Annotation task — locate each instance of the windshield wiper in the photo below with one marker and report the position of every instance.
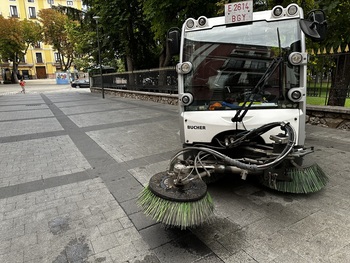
(242, 111)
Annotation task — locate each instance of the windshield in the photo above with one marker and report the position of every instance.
(229, 62)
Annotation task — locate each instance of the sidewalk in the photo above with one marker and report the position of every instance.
(72, 165)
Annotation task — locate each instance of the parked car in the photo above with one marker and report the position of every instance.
(80, 83)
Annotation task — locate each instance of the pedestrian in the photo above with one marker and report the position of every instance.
(22, 83)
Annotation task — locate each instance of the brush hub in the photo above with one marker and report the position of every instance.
(163, 185)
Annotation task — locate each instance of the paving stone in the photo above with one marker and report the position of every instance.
(13, 257)
(104, 243)
(156, 235)
(144, 173)
(125, 222)
(143, 138)
(131, 251)
(72, 168)
(186, 249)
(5, 246)
(130, 206)
(23, 127)
(240, 257)
(103, 257)
(110, 227)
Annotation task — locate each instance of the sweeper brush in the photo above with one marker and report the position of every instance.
(301, 180)
(174, 205)
(179, 197)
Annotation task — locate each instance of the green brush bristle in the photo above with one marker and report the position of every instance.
(178, 214)
(303, 180)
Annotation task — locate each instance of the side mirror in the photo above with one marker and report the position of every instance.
(314, 25)
(173, 39)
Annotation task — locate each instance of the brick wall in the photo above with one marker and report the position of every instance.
(328, 116)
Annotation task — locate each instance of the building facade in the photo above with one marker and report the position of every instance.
(41, 61)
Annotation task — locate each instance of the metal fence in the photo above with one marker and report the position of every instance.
(163, 80)
(324, 71)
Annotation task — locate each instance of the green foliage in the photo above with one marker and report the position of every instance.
(338, 17)
(164, 14)
(32, 32)
(15, 38)
(135, 31)
(58, 31)
(124, 33)
(11, 38)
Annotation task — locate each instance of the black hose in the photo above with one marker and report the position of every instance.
(251, 167)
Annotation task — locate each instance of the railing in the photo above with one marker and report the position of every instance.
(163, 80)
(160, 85)
(328, 76)
(323, 69)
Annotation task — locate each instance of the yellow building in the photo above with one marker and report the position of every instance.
(41, 61)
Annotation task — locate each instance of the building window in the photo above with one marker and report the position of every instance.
(37, 45)
(51, 2)
(32, 13)
(30, 1)
(69, 2)
(13, 10)
(57, 57)
(39, 58)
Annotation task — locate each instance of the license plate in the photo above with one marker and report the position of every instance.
(239, 12)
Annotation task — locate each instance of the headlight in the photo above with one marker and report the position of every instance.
(297, 58)
(292, 9)
(186, 99)
(277, 11)
(184, 68)
(190, 23)
(295, 94)
(202, 21)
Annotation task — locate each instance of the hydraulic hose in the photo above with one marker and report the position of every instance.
(250, 167)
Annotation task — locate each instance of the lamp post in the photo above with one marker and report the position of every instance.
(99, 55)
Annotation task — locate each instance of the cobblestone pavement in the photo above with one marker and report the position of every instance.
(72, 165)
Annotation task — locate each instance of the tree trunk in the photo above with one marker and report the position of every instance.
(162, 58)
(340, 81)
(167, 54)
(14, 77)
(129, 65)
(165, 57)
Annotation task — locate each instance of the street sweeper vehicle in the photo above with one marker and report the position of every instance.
(242, 103)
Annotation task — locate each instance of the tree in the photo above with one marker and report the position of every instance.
(164, 14)
(32, 33)
(124, 32)
(15, 38)
(135, 31)
(82, 33)
(57, 28)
